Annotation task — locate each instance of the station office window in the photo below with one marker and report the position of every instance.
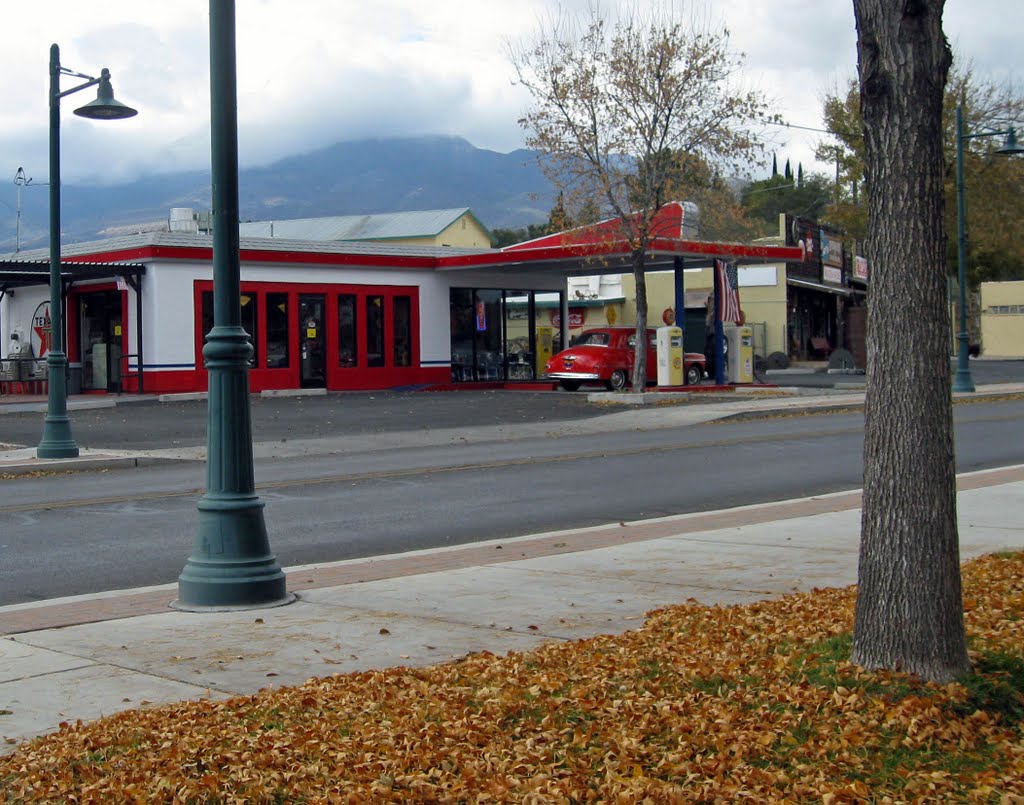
(402, 318)
(248, 319)
(374, 330)
(276, 305)
(347, 334)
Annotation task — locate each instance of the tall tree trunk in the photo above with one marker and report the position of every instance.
(640, 355)
(909, 613)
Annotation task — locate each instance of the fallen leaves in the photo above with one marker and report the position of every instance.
(701, 704)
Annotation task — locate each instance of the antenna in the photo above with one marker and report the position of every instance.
(21, 180)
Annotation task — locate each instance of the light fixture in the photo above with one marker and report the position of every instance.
(57, 441)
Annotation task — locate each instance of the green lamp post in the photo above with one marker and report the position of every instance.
(962, 380)
(231, 566)
(57, 441)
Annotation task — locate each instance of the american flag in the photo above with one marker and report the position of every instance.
(727, 288)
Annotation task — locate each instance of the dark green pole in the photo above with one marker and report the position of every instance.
(679, 284)
(231, 565)
(962, 380)
(57, 441)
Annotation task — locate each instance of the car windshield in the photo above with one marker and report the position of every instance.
(594, 339)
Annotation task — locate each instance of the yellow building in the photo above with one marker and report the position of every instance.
(457, 227)
(1002, 319)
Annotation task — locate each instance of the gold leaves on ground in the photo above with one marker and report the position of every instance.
(703, 704)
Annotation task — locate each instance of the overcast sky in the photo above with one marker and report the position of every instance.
(313, 72)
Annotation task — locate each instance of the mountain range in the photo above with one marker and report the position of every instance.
(347, 178)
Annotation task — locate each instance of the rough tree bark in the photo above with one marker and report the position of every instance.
(909, 613)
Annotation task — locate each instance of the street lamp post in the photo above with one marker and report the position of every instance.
(57, 441)
(231, 566)
(962, 380)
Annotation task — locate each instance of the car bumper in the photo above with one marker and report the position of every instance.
(581, 376)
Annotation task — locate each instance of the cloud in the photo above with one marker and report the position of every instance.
(312, 72)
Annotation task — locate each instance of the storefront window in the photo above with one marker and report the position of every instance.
(402, 317)
(248, 302)
(374, 330)
(347, 334)
(277, 330)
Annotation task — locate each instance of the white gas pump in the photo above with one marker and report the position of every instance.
(670, 356)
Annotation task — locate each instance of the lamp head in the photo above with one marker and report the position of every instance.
(1010, 147)
(105, 107)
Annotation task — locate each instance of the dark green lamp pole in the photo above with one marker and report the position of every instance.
(962, 380)
(57, 441)
(231, 566)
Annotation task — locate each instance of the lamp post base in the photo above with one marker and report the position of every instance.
(231, 565)
(57, 441)
(962, 381)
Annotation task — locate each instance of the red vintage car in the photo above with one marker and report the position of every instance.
(606, 355)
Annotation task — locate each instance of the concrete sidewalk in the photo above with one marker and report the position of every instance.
(128, 649)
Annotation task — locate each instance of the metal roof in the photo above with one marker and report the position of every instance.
(392, 225)
(23, 273)
(187, 240)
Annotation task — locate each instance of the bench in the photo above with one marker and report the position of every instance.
(820, 346)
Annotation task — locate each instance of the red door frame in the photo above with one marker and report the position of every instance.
(338, 377)
(129, 381)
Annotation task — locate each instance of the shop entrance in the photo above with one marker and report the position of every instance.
(99, 340)
(312, 341)
(493, 334)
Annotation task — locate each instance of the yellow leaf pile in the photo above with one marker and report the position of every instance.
(745, 703)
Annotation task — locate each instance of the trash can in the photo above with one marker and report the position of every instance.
(74, 378)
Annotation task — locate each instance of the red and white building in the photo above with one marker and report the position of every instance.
(336, 315)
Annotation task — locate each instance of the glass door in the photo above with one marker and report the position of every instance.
(312, 341)
(99, 341)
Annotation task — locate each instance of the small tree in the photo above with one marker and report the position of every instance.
(613, 103)
(909, 612)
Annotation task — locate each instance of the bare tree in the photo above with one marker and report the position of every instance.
(614, 104)
(909, 613)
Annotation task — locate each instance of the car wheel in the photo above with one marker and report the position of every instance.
(618, 380)
(694, 375)
(570, 385)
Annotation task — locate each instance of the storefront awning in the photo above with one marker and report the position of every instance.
(819, 286)
(28, 273)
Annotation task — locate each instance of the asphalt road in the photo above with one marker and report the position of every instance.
(154, 425)
(119, 529)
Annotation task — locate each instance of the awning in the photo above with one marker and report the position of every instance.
(26, 273)
(819, 286)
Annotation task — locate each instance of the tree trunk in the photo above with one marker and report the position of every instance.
(640, 356)
(909, 613)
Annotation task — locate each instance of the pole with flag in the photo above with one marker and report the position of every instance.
(727, 309)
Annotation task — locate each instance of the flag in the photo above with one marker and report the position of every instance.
(727, 288)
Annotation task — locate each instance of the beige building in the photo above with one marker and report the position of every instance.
(457, 227)
(1002, 319)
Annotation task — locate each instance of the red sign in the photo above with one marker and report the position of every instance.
(576, 318)
(41, 329)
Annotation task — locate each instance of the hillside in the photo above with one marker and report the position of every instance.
(360, 176)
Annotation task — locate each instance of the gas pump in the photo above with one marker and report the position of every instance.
(545, 336)
(740, 348)
(670, 356)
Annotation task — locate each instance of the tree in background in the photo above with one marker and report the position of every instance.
(909, 610)
(613, 103)
(808, 197)
(995, 186)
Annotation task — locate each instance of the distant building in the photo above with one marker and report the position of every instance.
(1002, 319)
(457, 227)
